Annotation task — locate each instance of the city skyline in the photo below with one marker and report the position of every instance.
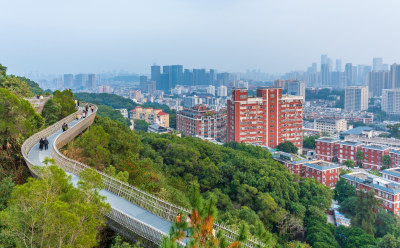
(75, 37)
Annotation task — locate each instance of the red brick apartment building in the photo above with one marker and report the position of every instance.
(386, 190)
(326, 173)
(348, 150)
(202, 121)
(326, 148)
(268, 119)
(373, 156)
(395, 157)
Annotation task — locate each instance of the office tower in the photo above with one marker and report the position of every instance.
(156, 75)
(81, 80)
(391, 101)
(211, 77)
(211, 90)
(142, 82)
(394, 76)
(68, 80)
(187, 77)
(58, 83)
(362, 75)
(297, 88)
(338, 80)
(268, 119)
(324, 74)
(377, 81)
(377, 64)
(91, 82)
(339, 65)
(330, 64)
(222, 91)
(324, 59)
(356, 98)
(176, 75)
(199, 76)
(151, 87)
(348, 70)
(314, 67)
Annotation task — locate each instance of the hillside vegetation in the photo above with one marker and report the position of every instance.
(249, 185)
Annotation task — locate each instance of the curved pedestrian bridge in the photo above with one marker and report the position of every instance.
(132, 210)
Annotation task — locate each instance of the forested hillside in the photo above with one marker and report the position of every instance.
(249, 185)
(47, 212)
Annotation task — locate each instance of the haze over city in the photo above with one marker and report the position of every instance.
(229, 35)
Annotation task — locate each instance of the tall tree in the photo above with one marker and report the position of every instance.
(359, 157)
(366, 211)
(51, 212)
(386, 160)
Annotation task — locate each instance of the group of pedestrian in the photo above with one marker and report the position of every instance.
(64, 127)
(43, 143)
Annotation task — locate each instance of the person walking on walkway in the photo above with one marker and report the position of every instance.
(63, 127)
(46, 143)
(41, 144)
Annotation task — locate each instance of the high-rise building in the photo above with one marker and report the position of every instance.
(356, 98)
(142, 82)
(187, 77)
(268, 119)
(156, 75)
(222, 91)
(325, 74)
(176, 75)
(58, 83)
(348, 70)
(151, 87)
(91, 82)
(68, 80)
(297, 88)
(377, 81)
(362, 75)
(81, 80)
(377, 64)
(280, 83)
(201, 121)
(324, 59)
(391, 101)
(338, 79)
(211, 90)
(394, 76)
(338, 65)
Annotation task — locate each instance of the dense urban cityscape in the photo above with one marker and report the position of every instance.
(223, 124)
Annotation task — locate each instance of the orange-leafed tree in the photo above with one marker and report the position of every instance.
(196, 229)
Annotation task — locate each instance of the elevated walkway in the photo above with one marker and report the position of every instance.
(137, 211)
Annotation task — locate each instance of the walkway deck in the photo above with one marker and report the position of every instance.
(37, 157)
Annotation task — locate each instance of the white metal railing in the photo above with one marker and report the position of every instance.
(134, 195)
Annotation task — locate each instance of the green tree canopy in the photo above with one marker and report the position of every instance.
(288, 147)
(366, 211)
(51, 212)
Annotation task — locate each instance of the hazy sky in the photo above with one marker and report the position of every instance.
(73, 36)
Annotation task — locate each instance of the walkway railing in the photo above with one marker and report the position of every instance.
(134, 195)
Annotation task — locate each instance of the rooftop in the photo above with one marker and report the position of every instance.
(321, 165)
(350, 143)
(327, 139)
(376, 147)
(357, 130)
(393, 171)
(374, 181)
(326, 120)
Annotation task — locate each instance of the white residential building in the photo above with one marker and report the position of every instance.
(356, 98)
